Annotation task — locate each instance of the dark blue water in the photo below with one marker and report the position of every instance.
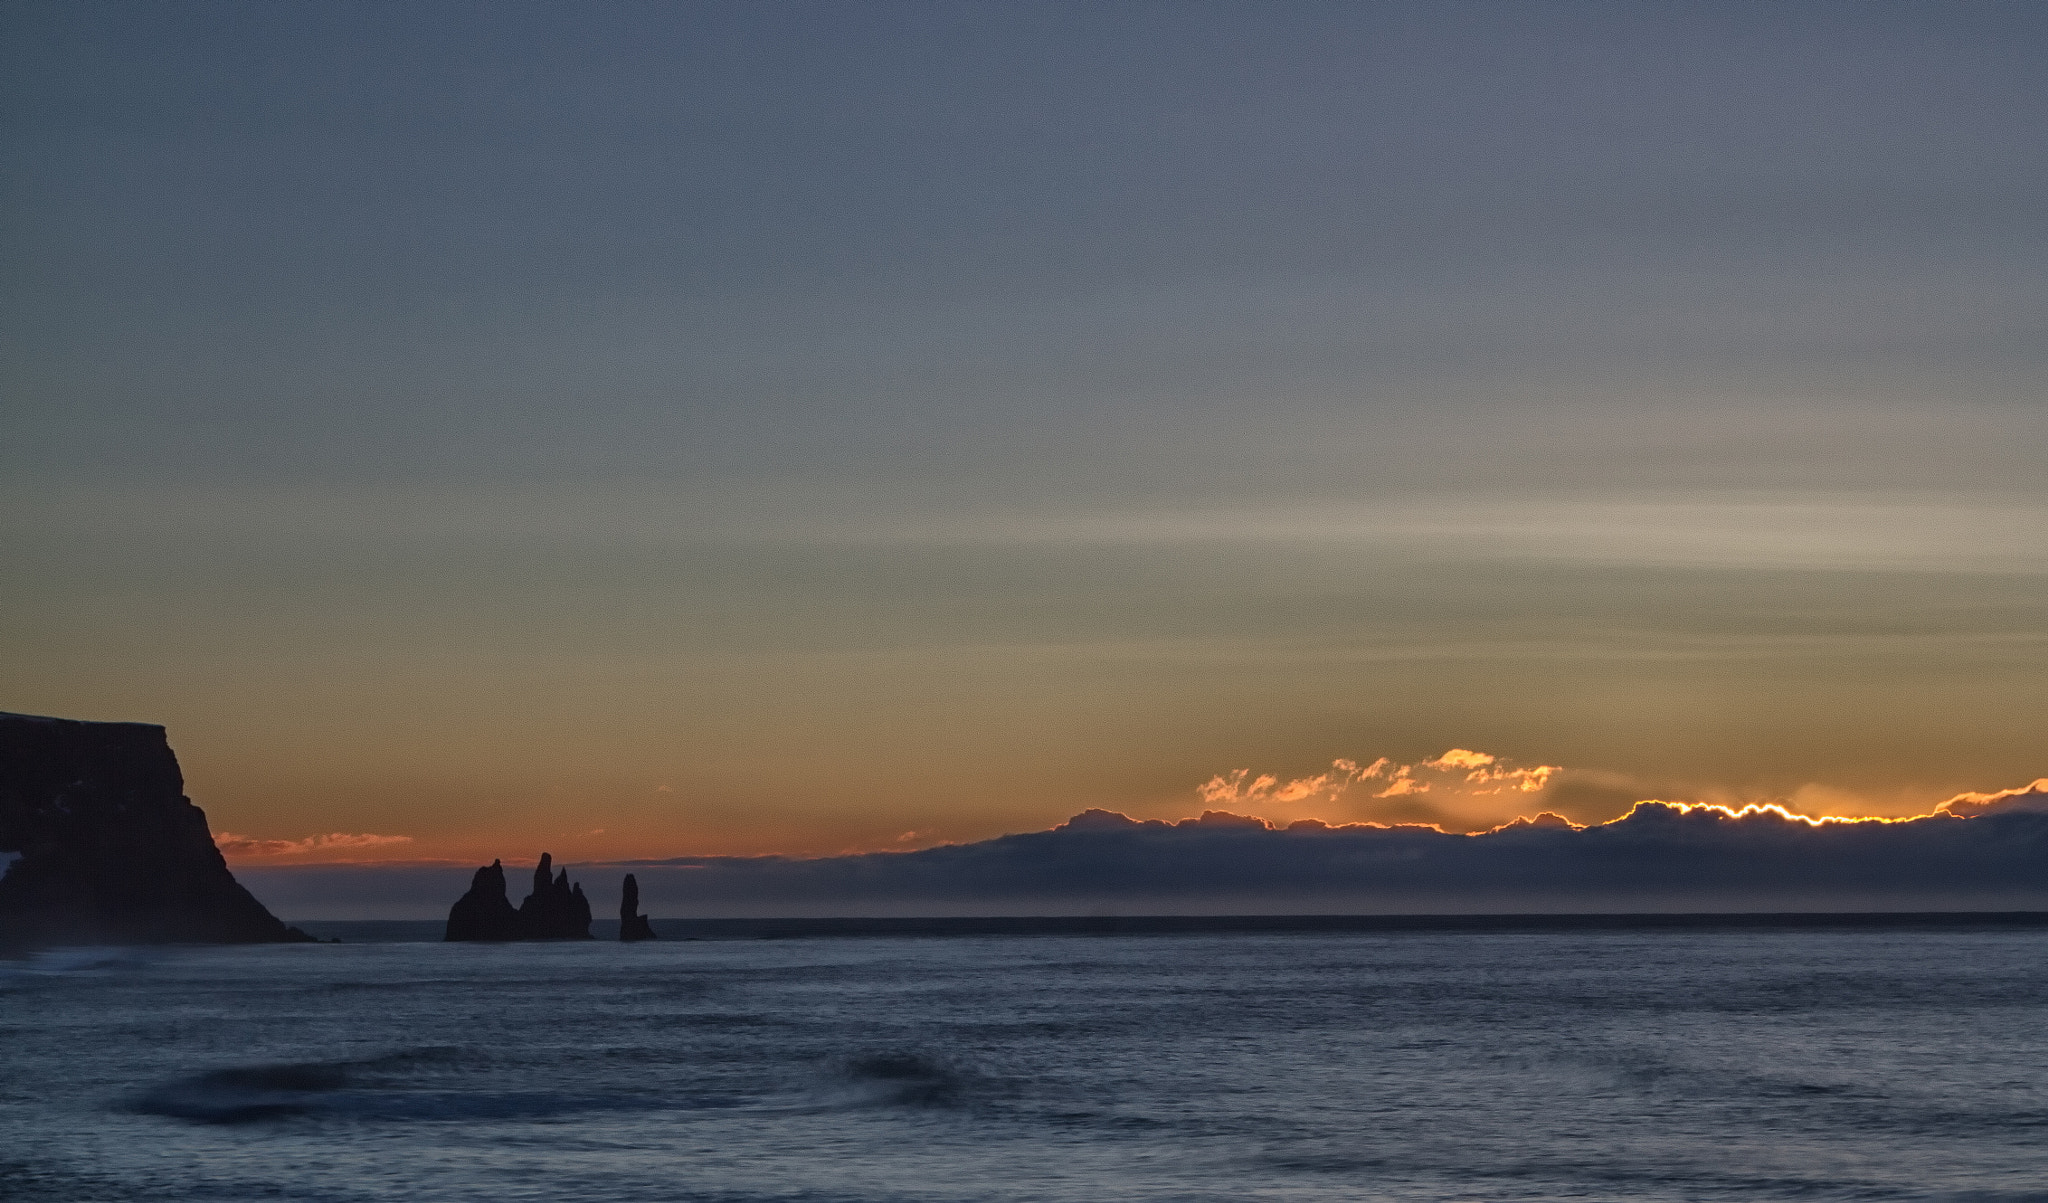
(1531, 1065)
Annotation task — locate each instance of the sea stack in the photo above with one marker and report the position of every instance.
(555, 910)
(111, 850)
(632, 924)
(484, 913)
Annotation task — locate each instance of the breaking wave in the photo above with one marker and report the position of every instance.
(360, 1090)
(905, 1080)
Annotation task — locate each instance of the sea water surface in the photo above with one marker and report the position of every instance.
(1640, 1065)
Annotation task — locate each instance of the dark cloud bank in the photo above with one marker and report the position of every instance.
(1658, 858)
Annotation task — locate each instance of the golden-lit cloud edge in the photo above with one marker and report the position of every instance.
(2027, 799)
(1454, 792)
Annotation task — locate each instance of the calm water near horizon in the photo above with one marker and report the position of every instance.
(1679, 1065)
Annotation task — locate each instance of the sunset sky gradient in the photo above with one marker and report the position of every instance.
(642, 431)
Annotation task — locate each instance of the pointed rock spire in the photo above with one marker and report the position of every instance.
(632, 924)
(556, 910)
(484, 913)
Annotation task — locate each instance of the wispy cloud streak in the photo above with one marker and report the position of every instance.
(242, 847)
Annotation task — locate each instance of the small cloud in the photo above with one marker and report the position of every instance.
(1403, 784)
(246, 847)
(597, 831)
(663, 789)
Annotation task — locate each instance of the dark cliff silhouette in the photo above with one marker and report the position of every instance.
(632, 924)
(111, 850)
(556, 910)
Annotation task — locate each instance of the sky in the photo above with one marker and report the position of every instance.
(637, 431)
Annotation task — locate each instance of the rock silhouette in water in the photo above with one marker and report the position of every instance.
(555, 910)
(632, 924)
(112, 852)
(484, 913)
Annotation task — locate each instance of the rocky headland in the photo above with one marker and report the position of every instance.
(110, 851)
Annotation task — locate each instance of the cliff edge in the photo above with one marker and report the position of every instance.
(111, 850)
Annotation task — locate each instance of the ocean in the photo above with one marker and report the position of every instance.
(1636, 1064)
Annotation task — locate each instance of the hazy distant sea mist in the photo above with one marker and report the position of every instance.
(1535, 1065)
